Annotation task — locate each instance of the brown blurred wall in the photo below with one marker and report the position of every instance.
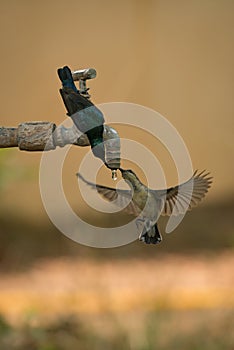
(173, 56)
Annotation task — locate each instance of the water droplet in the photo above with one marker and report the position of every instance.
(114, 175)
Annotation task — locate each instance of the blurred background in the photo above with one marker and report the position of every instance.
(175, 57)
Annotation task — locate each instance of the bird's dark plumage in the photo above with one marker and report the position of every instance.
(65, 76)
(85, 115)
(150, 233)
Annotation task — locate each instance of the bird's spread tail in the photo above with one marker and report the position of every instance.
(152, 236)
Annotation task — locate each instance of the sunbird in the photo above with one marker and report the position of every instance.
(85, 115)
(147, 204)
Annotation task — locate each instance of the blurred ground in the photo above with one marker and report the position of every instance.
(56, 294)
(166, 301)
(91, 286)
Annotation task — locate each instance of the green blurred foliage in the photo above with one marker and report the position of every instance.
(12, 169)
(165, 330)
(65, 334)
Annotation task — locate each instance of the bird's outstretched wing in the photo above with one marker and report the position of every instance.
(122, 198)
(184, 197)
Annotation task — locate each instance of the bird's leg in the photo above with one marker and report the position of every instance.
(141, 226)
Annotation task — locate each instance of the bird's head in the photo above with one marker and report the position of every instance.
(128, 175)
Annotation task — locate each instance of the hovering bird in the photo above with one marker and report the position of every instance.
(147, 204)
(85, 115)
